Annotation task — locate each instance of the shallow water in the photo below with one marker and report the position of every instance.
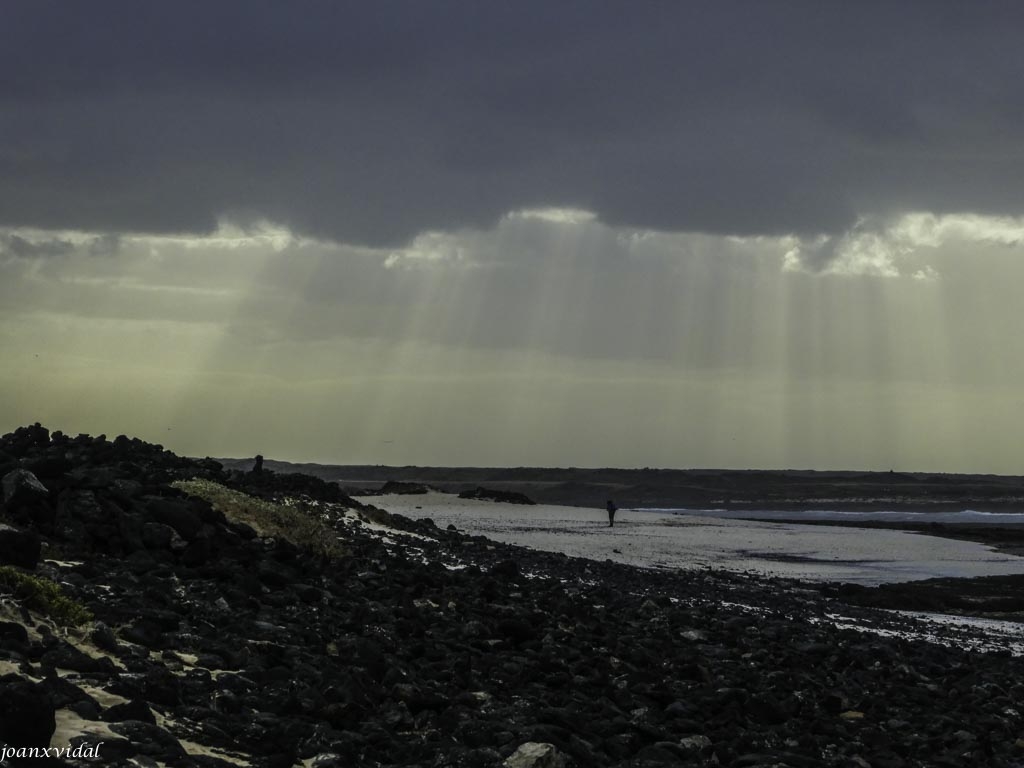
(888, 516)
(663, 539)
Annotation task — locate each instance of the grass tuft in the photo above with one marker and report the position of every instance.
(44, 597)
(267, 518)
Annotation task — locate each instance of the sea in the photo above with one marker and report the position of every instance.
(813, 515)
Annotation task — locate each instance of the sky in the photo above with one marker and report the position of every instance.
(734, 234)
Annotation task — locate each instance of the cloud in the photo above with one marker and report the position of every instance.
(860, 251)
(555, 283)
(929, 230)
(563, 328)
(372, 123)
(19, 247)
(878, 248)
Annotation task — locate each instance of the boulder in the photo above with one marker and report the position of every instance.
(150, 740)
(104, 638)
(63, 655)
(505, 497)
(157, 535)
(131, 527)
(21, 487)
(180, 515)
(19, 547)
(403, 488)
(696, 743)
(133, 709)
(13, 634)
(489, 495)
(64, 694)
(24, 439)
(534, 754)
(26, 713)
(82, 506)
(506, 569)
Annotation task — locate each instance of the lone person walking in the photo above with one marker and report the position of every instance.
(612, 509)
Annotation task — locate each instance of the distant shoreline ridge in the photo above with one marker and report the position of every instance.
(740, 490)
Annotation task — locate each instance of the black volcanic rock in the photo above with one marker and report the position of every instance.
(179, 514)
(403, 488)
(447, 649)
(486, 494)
(62, 655)
(149, 739)
(19, 547)
(24, 439)
(269, 484)
(26, 713)
(13, 636)
(22, 487)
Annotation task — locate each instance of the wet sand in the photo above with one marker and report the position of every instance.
(817, 553)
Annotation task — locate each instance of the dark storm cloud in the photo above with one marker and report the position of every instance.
(370, 122)
(18, 247)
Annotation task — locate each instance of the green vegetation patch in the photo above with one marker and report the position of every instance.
(267, 518)
(44, 597)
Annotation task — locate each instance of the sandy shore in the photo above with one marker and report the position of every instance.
(663, 540)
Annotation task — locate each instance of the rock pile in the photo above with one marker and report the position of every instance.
(212, 644)
(506, 497)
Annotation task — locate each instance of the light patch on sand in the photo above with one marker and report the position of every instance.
(308, 762)
(966, 632)
(103, 698)
(186, 661)
(75, 637)
(352, 518)
(975, 631)
(87, 647)
(10, 611)
(70, 725)
(8, 668)
(198, 750)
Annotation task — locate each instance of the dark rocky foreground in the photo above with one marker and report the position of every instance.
(989, 597)
(419, 646)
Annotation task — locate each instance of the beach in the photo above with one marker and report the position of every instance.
(663, 540)
(210, 618)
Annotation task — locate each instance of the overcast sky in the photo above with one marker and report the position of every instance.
(729, 234)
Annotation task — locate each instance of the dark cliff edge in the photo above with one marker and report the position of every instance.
(188, 615)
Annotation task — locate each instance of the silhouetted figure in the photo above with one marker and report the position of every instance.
(257, 468)
(612, 509)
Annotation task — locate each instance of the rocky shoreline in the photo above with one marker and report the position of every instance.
(221, 631)
(738, 490)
